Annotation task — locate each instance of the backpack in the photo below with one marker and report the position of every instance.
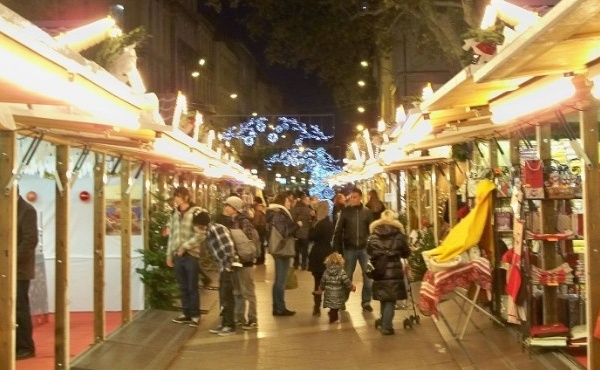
(246, 249)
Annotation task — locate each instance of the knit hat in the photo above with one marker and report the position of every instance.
(201, 218)
(236, 202)
(388, 217)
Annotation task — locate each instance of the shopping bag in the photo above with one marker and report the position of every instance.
(292, 280)
(533, 179)
(279, 246)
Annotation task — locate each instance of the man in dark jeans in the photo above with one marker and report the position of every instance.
(183, 253)
(27, 240)
(350, 238)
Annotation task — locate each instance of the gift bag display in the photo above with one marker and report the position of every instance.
(559, 182)
(533, 179)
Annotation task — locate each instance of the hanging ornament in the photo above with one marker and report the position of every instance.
(31, 196)
(483, 52)
(84, 196)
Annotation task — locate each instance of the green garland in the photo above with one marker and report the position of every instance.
(425, 241)
(492, 35)
(105, 53)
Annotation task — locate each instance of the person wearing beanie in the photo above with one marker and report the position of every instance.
(221, 247)
(244, 290)
(387, 240)
(183, 254)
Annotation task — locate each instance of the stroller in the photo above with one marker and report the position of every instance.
(410, 320)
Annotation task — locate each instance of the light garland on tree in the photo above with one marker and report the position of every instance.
(317, 162)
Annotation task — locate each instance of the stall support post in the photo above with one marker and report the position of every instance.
(8, 255)
(591, 211)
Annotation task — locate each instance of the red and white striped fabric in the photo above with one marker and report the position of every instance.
(437, 284)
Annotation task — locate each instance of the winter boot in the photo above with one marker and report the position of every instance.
(317, 306)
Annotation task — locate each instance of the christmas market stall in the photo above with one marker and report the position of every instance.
(528, 114)
(91, 151)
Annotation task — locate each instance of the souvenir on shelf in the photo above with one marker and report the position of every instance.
(533, 179)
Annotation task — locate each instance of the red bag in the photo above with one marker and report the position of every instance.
(533, 179)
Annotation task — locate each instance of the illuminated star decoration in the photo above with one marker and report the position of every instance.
(248, 131)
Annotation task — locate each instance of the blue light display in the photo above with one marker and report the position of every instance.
(317, 162)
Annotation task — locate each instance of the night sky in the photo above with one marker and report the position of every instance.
(305, 93)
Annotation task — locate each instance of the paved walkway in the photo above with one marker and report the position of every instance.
(307, 342)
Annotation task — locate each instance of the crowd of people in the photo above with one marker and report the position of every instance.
(327, 238)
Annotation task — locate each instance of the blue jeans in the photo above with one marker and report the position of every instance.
(387, 314)
(351, 256)
(226, 298)
(282, 266)
(186, 273)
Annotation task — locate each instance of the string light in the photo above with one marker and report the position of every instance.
(248, 131)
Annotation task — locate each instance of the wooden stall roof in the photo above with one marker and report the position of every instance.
(566, 39)
(37, 106)
(409, 162)
(462, 92)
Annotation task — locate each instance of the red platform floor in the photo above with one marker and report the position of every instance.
(81, 337)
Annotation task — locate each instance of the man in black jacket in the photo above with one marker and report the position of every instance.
(27, 240)
(350, 239)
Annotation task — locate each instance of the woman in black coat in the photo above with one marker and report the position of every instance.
(321, 234)
(387, 240)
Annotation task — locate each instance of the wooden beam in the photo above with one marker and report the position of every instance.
(549, 257)
(434, 202)
(8, 251)
(452, 201)
(126, 215)
(99, 248)
(420, 196)
(62, 328)
(146, 204)
(591, 210)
